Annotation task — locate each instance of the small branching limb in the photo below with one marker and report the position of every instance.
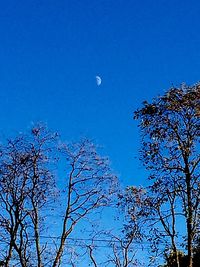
(91, 255)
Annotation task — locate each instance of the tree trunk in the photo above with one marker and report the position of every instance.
(189, 217)
(9, 254)
(177, 258)
(37, 239)
(59, 253)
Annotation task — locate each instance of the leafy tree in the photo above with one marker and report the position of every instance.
(170, 128)
(183, 259)
(171, 260)
(196, 254)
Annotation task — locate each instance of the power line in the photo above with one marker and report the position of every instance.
(89, 239)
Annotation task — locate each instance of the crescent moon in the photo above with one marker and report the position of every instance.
(98, 80)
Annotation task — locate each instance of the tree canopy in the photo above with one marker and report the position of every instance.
(170, 134)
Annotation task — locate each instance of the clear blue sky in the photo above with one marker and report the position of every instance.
(50, 52)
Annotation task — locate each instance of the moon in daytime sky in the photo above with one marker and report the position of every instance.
(98, 80)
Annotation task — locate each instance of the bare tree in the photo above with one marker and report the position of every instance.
(119, 246)
(90, 183)
(119, 251)
(28, 189)
(157, 207)
(13, 193)
(25, 182)
(123, 251)
(43, 147)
